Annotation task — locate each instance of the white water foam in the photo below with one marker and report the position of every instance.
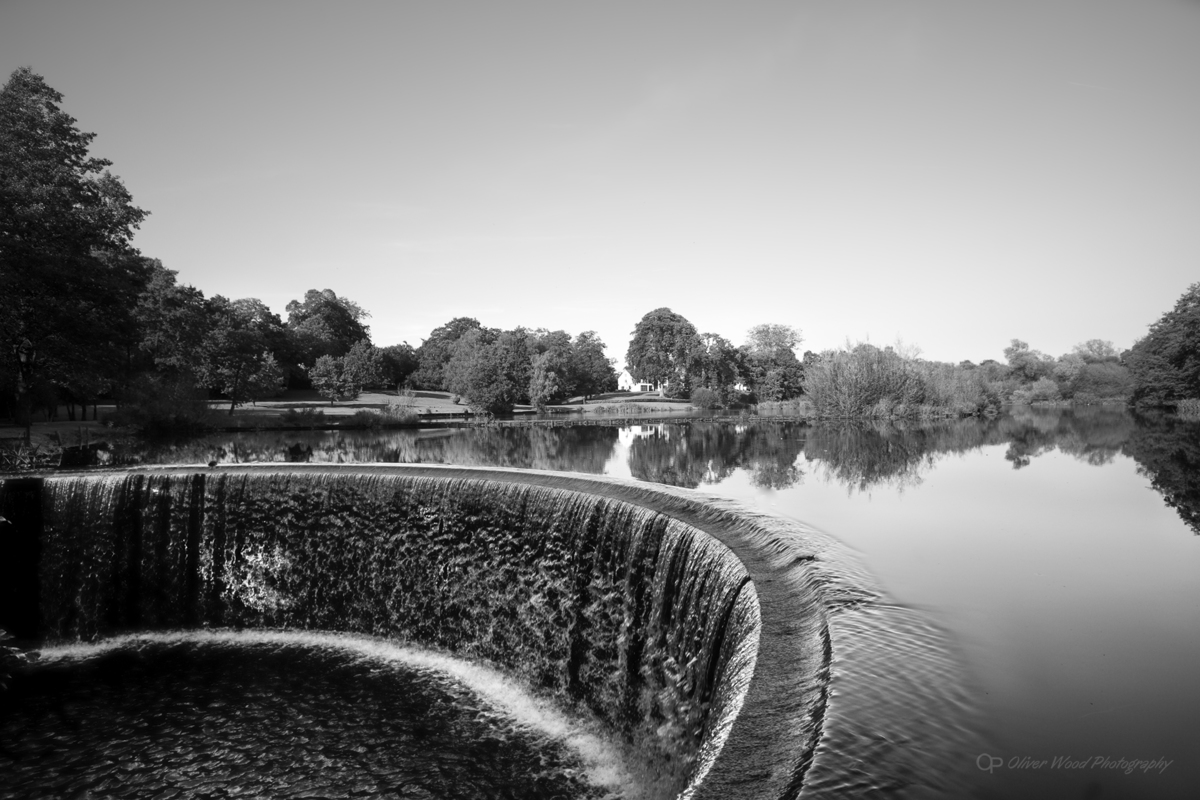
(605, 763)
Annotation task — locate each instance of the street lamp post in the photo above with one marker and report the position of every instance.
(26, 355)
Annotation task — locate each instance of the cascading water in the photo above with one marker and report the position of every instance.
(703, 636)
(600, 603)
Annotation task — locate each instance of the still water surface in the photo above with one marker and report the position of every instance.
(1059, 548)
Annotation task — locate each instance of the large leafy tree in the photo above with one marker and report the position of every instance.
(562, 368)
(174, 321)
(435, 353)
(591, 370)
(716, 364)
(68, 271)
(770, 366)
(324, 324)
(492, 373)
(1166, 362)
(551, 377)
(235, 357)
(769, 337)
(344, 378)
(476, 373)
(661, 349)
(399, 362)
(1094, 350)
(1025, 364)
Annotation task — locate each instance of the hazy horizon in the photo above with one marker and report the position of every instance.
(953, 174)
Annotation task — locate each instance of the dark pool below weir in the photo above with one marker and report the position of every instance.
(275, 714)
(744, 655)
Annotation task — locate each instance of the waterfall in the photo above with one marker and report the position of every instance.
(626, 611)
(741, 654)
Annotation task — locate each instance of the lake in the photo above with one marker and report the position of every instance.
(1059, 548)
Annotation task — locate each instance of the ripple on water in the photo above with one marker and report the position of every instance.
(288, 715)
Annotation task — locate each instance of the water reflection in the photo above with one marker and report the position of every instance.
(581, 449)
(709, 452)
(1167, 452)
(774, 454)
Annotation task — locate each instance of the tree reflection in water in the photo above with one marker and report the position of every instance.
(859, 455)
(1167, 451)
(690, 454)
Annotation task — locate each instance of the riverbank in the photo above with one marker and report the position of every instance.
(307, 410)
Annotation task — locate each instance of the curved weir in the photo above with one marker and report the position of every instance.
(747, 656)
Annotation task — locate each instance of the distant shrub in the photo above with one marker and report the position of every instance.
(798, 407)
(1104, 380)
(706, 398)
(401, 412)
(159, 404)
(862, 381)
(305, 417)
(1042, 390)
(364, 418)
(866, 381)
(391, 414)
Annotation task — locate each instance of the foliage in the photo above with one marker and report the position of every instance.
(852, 382)
(544, 381)
(1028, 365)
(796, 407)
(362, 367)
(399, 362)
(266, 380)
(1096, 350)
(704, 397)
(1166, 362)
(402, 412)
(560, 368)
(304, 417)
(866, 381)
(769, 338)
(435, 353)
(1042, 390)
(959, 390)
(69, 275)
(1067, 370)
(1102, 380)
(769, 364)
(393, 414)
(343, 378)
(173, 320)
(233, 357)
(715, 365)
(774, 376)
(154, 403)
(327, 378)
(488, 372)
(325, 324)
(661, 349)
(591, 371)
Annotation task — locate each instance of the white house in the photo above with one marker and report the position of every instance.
(626, 383)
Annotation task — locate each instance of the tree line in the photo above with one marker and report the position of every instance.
(667, 350)
(84, 316)
(1162, 369)
(865, 380)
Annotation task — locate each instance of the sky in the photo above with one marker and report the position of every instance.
(950, 173)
